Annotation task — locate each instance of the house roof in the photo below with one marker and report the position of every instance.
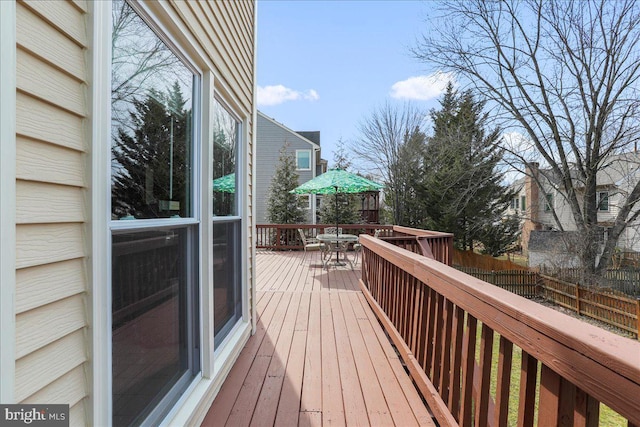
(300, 134)
(552, 241)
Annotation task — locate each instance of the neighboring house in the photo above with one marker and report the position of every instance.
(304, 146)
(126, 292)
(540, 197)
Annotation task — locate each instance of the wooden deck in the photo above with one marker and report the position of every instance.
(319, 356)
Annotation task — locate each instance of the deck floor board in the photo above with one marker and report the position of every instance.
(319, 356)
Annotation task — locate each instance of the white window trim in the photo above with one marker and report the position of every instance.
(310, 160)
(7, 199)
(100, 203)
(308, 196)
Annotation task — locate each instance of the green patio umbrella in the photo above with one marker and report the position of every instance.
(225, 184)
(336, 181)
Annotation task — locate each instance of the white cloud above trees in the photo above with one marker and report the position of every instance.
(422, 88)
(278, 94)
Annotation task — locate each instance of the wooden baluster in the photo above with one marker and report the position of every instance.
(528, 373)
(482, 403)
(445, 372)
(430, 333)
(587, 410)
(468, 367)
(456, 363)
(503, 382)
(438, 338)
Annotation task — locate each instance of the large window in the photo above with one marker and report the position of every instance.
(154, 226)
(227, 235)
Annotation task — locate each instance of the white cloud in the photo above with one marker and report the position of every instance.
(422, 88)
(275, 95)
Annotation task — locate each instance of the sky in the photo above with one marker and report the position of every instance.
(327, 65)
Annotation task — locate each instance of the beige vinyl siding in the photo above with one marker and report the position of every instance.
(233, 64)
(36, 160)
(51, 281)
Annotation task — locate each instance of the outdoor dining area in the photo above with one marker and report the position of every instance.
(333, 241)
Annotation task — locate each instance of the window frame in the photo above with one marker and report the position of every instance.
(308, 200)
(298, 152)
(242, 135)
(548, 202)
(601, 199)
(212, 363)
(104, 227)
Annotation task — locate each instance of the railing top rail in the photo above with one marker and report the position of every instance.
(601, 363)
(420, 233)
(351, 226)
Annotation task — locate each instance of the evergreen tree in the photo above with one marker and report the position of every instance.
(284, 207)
(462, 186)
(151, 162)
(348, 205)
(408, 183)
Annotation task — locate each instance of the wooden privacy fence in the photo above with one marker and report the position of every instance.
(443, 323)
(626, 280)
(520, 282)
(609, 307)
(614, 309)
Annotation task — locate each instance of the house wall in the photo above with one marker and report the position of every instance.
(53, 211)
(270, 138)
(52, 348)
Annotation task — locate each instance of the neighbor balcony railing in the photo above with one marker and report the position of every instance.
(445, 323)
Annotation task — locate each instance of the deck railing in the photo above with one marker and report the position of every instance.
(461, 338)
(285, 236)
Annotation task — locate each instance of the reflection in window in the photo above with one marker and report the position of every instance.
(152, 124)
(150, 297)
(226, 277)
(225, 177)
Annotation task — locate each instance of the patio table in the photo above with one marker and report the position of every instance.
(337, 243)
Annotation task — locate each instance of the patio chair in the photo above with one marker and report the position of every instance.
(357, 247)
(309, 243)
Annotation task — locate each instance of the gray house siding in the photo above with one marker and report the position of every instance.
(270, 137)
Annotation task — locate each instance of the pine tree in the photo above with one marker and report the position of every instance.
(284, 207)
(462, 184)
(146, 177)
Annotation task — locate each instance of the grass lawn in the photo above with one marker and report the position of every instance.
(608, 417)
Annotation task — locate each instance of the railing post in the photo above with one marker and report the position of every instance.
(578, 298)
(277, 238)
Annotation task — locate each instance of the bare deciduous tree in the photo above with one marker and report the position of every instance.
(564, 73)
(381, 136)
